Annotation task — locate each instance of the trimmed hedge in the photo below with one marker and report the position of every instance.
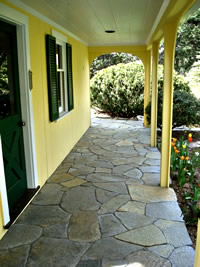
(119, 90)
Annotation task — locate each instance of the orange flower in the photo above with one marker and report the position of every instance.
(182, 157)
(175, 148)
(174, 140)
(189, 135)
(172, 143)
(187, 158)
(177, 151)
(198, 185)
(190, 139)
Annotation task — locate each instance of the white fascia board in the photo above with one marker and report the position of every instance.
(158, 18)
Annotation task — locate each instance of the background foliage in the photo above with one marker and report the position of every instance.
(108, 60)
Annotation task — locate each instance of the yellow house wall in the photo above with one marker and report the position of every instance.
(54, 140)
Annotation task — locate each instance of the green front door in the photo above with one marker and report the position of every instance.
(10, 115)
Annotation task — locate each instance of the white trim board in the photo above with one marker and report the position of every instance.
(158, 18)
(45, 19)
(3, 192)
(14, 17)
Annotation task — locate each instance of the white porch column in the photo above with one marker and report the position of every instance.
(154, 94)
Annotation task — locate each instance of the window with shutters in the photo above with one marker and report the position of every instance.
(59, 74)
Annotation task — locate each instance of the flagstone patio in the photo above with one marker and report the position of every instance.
(102, 207)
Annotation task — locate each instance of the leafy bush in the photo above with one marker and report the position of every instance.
(186, 107)
(119, 90)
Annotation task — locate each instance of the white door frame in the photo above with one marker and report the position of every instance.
(18, 19)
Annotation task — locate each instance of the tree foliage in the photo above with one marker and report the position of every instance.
(108, 60)
(187, 49)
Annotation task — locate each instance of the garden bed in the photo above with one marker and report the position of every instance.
(187, 188)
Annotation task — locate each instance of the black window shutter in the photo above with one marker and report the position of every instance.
(52, 77)
(69, 77)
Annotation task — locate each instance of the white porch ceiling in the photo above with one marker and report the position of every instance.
(133, 20)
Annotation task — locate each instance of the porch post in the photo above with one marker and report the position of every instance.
(170, 32)
(147, 84)
(197, 251)
(154, 94)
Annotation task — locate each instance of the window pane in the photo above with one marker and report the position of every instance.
(7, 99)
(59, 56)
(59, 90)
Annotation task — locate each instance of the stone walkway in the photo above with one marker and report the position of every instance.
(102, 207)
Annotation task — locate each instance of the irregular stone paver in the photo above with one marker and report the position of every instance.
(74, 182)
(84, 227)
(103, 170)
(147, 259)
(84, 170)
(118, 263)
(175, 232)
(183, 256)
(149, 235)
(20, 234)
(134, 206)
(50, 194)
(113, 204)
(114, 187)
(110, 225)
(153, 155)
(104, 195)
(100, 164)
(151, 178)
(59, 178)
(145, 193)
(122, 168)
(162, 250)
(110, 248)
(153, 169)
(90, 263)
(135, 173)
(152, 162)
(14, 257)
(123, 161)
(165, 210)
(56, 230)
(105, 177)
(124, 143)
(56, 252)
(44, 216)
(134, 220)
(80, 198)
(134, 181)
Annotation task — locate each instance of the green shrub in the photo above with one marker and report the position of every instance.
(119, 90)
(186, 107)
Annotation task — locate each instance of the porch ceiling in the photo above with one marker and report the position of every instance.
(133, 20)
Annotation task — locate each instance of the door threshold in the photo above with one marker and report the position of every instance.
(20, 205)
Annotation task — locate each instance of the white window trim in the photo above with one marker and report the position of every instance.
(14, 17)
(62, 40)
